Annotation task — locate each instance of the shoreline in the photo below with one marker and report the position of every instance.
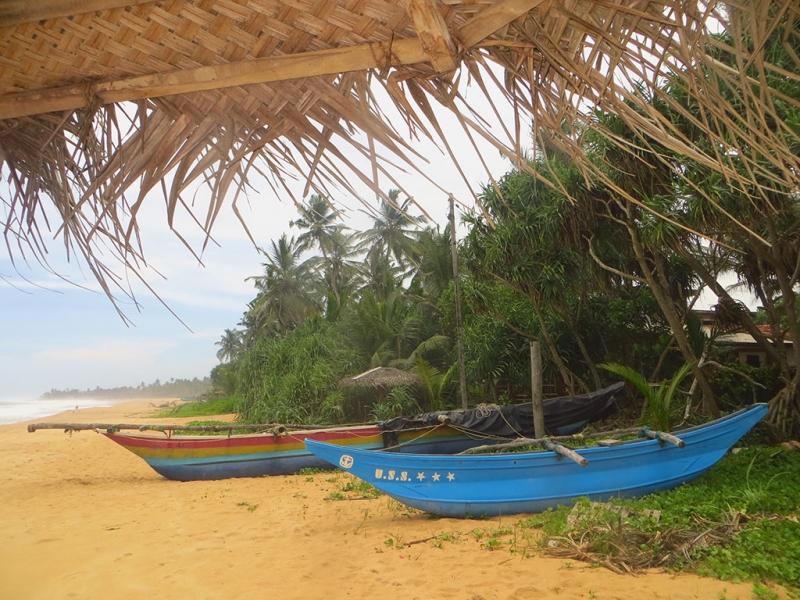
(42, 410)
(83, 518)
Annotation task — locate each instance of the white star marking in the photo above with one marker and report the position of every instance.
(436, 476)
(450, 477)
(420, 476)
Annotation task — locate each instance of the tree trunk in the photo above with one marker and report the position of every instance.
(492, 389)
(656, 280)
(746, 321)
(584, 352)
(566, 375)
(786, 414)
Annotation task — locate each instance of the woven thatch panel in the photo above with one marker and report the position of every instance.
(226, 87)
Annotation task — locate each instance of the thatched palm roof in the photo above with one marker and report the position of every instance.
(216, 90)
(382, 377)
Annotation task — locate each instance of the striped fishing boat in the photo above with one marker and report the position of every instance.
(196, 457)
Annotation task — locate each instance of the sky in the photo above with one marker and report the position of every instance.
(64, 333)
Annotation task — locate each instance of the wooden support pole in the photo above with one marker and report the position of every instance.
(666, 437)
(262, 427)
(536, 389)
(462, 373)
(565, 452)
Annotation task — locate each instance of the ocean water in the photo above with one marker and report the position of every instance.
(19, 410)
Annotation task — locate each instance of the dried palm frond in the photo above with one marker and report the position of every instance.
(102, 110)
(620, 547)
(382, 377)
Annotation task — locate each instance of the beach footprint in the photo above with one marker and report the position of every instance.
(123, 556)
(527, 592)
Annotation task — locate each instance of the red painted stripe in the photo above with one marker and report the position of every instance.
(199, 446)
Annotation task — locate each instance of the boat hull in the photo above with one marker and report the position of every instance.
(529, 482)
(202, 458)
(193, 458)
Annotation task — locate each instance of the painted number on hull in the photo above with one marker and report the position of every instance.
(393, 475)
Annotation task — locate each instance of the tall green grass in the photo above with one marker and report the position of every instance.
(202, 408)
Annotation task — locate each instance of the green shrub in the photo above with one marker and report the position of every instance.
(202, 408)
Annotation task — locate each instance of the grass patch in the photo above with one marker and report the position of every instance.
(738, 522)
(314, 471)
(223, 424)
(352, 488)
(361, 488)
(201, 408)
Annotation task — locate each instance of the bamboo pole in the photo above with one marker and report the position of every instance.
(665, 437)
(566, 452)
(279, 428)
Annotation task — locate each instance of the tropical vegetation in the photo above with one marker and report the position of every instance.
(738, 522)
(604, 267)
(174, 388)
(603, 270)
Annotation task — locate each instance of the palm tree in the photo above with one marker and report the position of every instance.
(435, 261)
(231, 345)
(318, 221)
(378, 276)
(394, 232)
(336, 265)
(658, 399)
(287, 292)
(435, 382)
(339, 269)
(385, 330)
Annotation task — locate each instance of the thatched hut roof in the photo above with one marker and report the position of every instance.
(104, 101)
(382, 377)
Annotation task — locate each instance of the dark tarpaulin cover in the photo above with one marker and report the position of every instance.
(562, 416)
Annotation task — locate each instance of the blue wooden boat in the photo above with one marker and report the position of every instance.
(525, 482)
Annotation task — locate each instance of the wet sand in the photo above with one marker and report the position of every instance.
(83, 518)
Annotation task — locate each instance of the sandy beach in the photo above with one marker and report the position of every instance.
(83, 518)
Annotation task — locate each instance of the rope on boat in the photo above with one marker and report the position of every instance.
(425, 431)
(428, 429)
(484, 410)
(477, 435)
